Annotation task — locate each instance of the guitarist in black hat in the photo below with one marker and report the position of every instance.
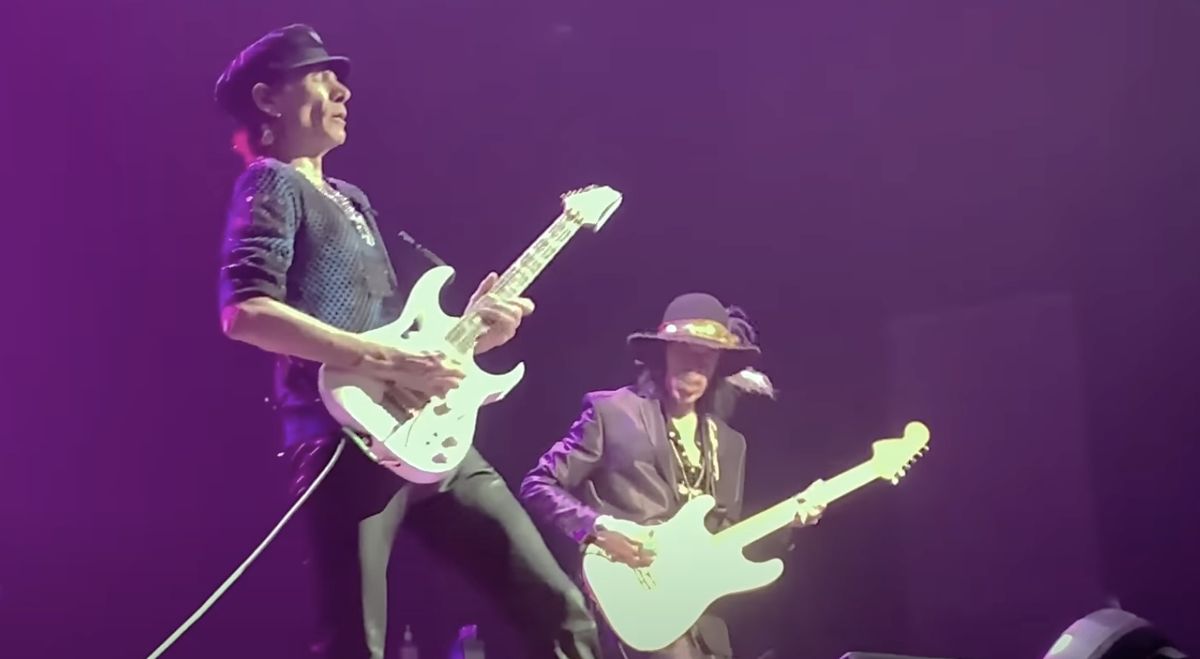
(639, 453)
(304, 271)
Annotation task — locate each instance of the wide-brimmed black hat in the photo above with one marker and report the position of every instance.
(269, 59)
(700, 319)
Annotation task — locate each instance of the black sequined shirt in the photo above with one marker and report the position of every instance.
(287, 240)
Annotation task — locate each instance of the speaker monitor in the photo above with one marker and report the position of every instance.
(1112, 633)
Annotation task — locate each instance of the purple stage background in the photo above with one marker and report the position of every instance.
(999, 530)
(980, 214)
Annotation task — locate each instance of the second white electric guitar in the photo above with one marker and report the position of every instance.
(650, 607)
(424, 445)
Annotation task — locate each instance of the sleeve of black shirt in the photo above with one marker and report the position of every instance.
(260, 235)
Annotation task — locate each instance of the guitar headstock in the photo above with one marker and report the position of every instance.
(891, 458)
(591, 206)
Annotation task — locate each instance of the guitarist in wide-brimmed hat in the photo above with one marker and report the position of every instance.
(640, 452)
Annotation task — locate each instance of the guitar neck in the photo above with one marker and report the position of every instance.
(516, 279)
(780, 515)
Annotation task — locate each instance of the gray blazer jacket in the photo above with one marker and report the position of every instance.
(616, 460)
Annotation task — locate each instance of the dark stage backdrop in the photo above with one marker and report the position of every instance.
(980, 214)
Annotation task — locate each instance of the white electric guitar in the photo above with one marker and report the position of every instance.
(424, 445)
(651, 607)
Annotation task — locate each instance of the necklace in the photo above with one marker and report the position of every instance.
(347, 207)
(341, 201)
(692, 476)
(344, 204)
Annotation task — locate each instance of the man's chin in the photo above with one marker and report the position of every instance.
(336, 136)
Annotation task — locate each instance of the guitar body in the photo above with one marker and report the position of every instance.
(426, 445)
(649, 608)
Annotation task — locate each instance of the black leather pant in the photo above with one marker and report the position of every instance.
(471, 519)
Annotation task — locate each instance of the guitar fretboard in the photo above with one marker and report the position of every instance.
(516, 279)
(772, 519)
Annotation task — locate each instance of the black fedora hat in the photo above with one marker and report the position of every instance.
(274, 55)
(700, 319)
